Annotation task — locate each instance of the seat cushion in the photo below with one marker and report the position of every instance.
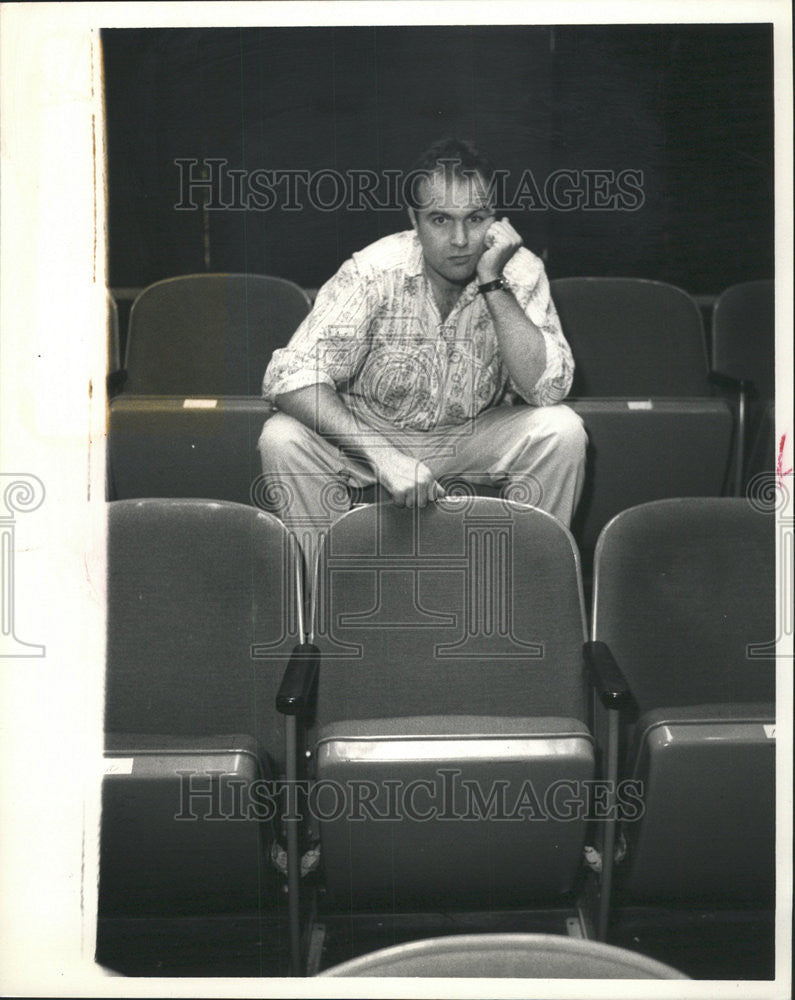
(461, 809)
(186, 826)
(717, 845)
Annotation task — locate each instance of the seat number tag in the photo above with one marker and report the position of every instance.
(199, 404)
(119, 765)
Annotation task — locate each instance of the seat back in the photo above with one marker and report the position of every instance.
(209, 334)
(470, 606)
(743, 334)
(683, 588)
(684, 594)
(451, 680)
(196, 589)
(515, 956)
(641, 388)
(632, 337)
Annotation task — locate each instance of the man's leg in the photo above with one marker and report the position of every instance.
(305, 480)
(536, 453)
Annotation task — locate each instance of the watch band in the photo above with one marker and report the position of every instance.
(492, 286)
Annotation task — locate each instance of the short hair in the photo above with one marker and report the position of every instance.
(456, 157)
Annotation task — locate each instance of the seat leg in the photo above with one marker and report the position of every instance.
(293, 854)
(609, 841)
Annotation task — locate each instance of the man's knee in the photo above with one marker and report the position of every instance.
(562, 425)
(281, 437)
(568, 428)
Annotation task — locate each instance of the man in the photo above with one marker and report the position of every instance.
(407, 370)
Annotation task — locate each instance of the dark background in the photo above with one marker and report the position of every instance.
(689, 105)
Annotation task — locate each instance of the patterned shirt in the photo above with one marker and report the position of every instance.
(376, 335)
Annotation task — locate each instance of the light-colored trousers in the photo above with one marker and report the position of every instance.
(535, 454)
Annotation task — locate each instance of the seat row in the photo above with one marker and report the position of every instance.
(213, 335)
(441, 732)
(186, 414)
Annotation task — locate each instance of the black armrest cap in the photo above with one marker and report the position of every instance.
(606, 676)
(295, 691)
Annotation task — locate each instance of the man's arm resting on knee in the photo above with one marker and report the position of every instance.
(320, 408)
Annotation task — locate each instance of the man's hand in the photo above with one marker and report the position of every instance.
(502, 242)
(409, 482)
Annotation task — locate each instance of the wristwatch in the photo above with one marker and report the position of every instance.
(492, 286)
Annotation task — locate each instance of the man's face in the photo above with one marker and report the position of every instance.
(452, 225)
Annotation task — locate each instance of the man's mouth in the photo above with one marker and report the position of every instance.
(460, 259)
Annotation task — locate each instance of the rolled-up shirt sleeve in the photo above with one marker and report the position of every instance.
(331, 343)
(535, 299)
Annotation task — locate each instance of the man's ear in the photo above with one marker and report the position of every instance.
(413, 219)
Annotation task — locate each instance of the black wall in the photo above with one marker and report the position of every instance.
(689, 106)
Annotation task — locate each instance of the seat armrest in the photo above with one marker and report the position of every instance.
(296, 697)
(612, 687)
(606, 676)
(297, 688)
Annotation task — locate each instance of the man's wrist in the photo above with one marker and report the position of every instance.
(492, 285)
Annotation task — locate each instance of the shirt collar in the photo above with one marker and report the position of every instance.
(414, 261)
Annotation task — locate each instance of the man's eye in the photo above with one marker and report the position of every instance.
(439, 220)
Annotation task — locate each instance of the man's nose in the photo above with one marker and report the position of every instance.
(459, 235)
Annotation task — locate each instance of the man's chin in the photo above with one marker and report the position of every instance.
(460, 276)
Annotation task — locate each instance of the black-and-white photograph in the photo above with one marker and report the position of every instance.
(428, 411)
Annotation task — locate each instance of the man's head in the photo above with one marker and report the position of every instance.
(450, 208)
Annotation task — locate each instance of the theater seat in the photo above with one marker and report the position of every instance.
(209, 334)
(632, 337)
(451, 678)
(202, 619)
(511, 956)
(188, 419)
(641, 387)
(174, 446)
(684, 603)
